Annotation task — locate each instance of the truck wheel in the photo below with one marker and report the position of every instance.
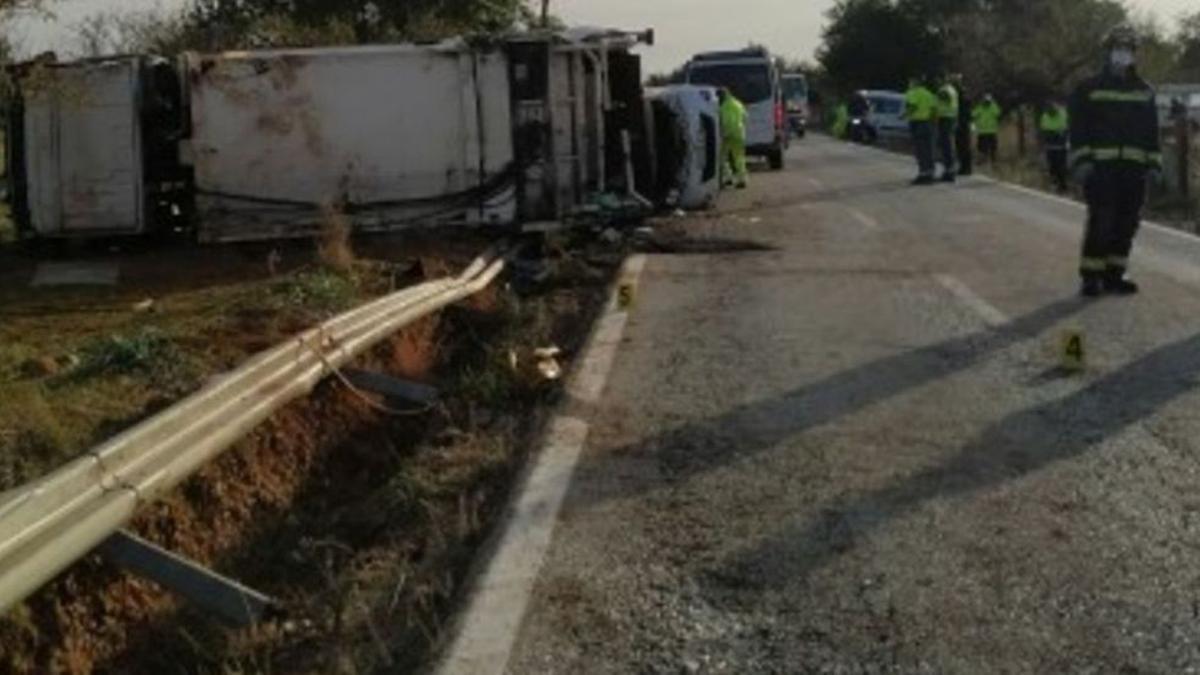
(775, 159)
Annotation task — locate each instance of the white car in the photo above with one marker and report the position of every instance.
(751, 75)
(887, 114)
(688, 144)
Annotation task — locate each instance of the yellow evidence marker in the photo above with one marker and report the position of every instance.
(1073, 352)
(626, 295)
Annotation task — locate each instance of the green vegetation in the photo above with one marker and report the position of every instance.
(78, 365)
(148, 352)
(213, 25)
(1023, 51)
(318, 291)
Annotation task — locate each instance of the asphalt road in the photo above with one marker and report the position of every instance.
(853, 452)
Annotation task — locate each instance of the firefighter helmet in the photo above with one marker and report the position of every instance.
(1123, 35)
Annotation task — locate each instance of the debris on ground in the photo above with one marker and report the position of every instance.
(547, 362)
(611, 236)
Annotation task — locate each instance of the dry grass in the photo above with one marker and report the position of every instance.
(334, 249)
(78, 365)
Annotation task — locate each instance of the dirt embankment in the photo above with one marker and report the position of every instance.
(360, 521)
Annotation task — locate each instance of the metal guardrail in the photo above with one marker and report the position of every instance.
(51, 523)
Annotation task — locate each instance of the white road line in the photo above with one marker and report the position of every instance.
(986, 310)
(1159, 227)
(485, 634)
(866, 220)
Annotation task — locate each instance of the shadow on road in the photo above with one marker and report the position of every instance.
(707, 445)
(1020, 444)
(842, 194)
(699, 245)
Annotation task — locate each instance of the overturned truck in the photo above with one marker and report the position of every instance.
(264, 144)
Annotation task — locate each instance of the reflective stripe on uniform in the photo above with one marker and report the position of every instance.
(1093, 264)
(1118, 261)
(1112, 96)
(1125, 152)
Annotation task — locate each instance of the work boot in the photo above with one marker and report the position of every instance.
(1092, 287)
(742, 185)
(949, 178)
(923, 180)
(1120, 286)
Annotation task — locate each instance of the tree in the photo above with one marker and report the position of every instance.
(664, 79)
(1188, 65)
(879, 44)
(371, 19)
(214, 25)
(1158, 56)
(1025, 51)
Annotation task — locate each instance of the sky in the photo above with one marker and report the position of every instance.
(683, 27)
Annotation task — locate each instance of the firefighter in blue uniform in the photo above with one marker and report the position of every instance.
(1115, 148)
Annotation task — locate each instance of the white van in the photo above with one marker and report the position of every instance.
(887, 114)
(687, 123)
(751, 76)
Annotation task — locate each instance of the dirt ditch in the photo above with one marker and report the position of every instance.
(360, 522)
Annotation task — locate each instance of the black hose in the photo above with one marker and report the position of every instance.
(489, 188)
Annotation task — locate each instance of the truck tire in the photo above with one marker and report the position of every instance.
(775, 159)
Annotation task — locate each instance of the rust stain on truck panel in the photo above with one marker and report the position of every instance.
(279, 123)
(313, 139)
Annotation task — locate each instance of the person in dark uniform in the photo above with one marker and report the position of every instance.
(962, 139)
(1115, 147)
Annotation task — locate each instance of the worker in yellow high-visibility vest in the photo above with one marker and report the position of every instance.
(841, 120)
(733, 136)
(1053, 125)
(920, 109)
(986, 116)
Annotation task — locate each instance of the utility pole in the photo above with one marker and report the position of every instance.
(545, 13)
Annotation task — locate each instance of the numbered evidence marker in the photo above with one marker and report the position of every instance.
(1073, 353)
(626, 295)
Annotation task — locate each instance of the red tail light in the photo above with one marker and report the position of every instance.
(780, 116)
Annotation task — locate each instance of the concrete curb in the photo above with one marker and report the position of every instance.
(484, 633)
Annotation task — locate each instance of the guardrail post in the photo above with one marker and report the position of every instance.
(235, 604)
(392, 387)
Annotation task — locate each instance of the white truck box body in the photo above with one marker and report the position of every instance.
(388, 131)
(83, 157)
